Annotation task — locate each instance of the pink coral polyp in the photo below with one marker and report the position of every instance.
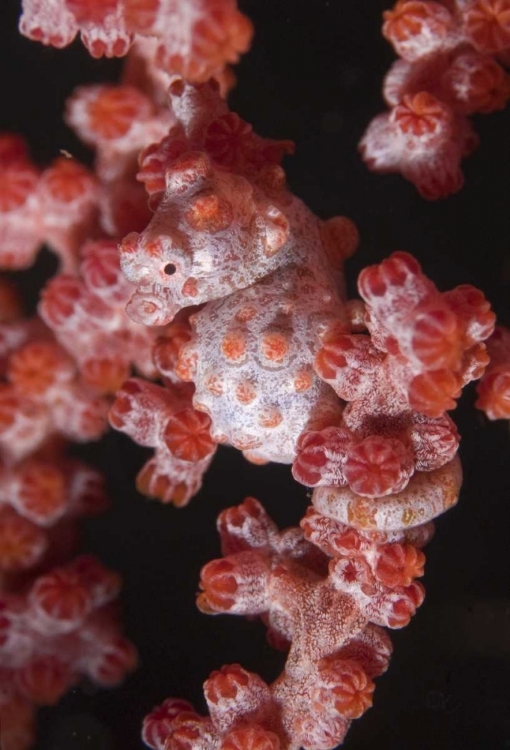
(196, 38)
(447, 72)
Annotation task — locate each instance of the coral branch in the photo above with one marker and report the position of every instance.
(449, 69)
(195, 38)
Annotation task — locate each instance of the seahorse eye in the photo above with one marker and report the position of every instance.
(170, 269)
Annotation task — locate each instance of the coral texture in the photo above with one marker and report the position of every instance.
(364, 421)
(324, 592)
(424, 346)
(164, 419)
(382, 473)
(80, 309)
(200, 302)
(452, 55)
(195, 38)
(61, 628)
(57, 624)
(57, 207)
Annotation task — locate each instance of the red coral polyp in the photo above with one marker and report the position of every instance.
(417, 28)
(157, 726)
(39, 367)
(399, 564)
(62, 597)
(45, 680)
(219, 585)
(446, 73)
(346, 686)
(378, 466)
(423, 118)
(486, 24)
(433, 393)
(187, 435)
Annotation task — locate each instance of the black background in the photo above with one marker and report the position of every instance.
(314, 75)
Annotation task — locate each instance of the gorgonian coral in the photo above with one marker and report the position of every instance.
(196, 38)
(60, 628)
(452, 66)
(200, 302)
(57, 206)
(58, 620)
(279, 363)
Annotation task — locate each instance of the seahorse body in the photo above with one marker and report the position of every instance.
(228, 233)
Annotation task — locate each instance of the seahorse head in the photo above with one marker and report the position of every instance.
(213, 232)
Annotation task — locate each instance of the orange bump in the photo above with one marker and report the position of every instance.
(303, 380)
(186, 365)
(246, 313)
(190, 287)
(233, 345)
(209, 213)
(153, 248)
(408, 517)
(245, 392)
(130, 243)
(399, 564)
(270, 417)
(214, 385)
(275, 346)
